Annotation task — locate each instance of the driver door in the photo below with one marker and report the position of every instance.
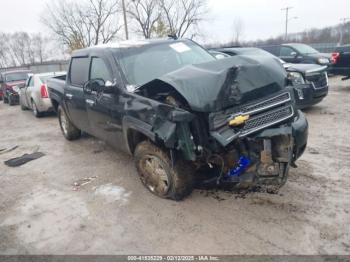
(288, 54)
(100, 105)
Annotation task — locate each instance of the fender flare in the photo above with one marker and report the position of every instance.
(133, 124)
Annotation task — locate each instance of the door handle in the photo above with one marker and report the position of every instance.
(90, 102)
(69, 96)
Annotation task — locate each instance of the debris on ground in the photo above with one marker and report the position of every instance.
(19, 161)
(7, 150)
(313, 151)
(82, 182)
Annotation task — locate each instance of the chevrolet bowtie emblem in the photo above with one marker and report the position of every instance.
(238, 120)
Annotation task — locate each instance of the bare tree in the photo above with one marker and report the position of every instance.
(238, 30)
(181, 15)
(84, 23)
(146, 14)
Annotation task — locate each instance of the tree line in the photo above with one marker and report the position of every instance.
(22, 48)
(79, 24)
(338, 34)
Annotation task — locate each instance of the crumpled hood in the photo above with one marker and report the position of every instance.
(216, 85)
(304, 68)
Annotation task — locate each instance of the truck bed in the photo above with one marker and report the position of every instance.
(55, 87)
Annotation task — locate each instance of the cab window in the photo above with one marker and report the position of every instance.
(31, 81)
(287, 52)
(79, 71)
(99, 70)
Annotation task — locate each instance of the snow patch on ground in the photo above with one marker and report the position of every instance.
(112, 193)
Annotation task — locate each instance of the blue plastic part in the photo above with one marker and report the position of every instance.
(242, 164)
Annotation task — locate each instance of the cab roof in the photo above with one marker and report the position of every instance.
(124, 44)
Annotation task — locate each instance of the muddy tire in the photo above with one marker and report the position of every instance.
(158, 174)
(69, 131)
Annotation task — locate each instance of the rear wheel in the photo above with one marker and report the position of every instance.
(69, 131)
(160, 176)
(36, 112)
(23, 107)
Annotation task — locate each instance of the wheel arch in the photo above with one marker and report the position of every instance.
(136, 131)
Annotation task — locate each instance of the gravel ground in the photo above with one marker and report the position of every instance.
(43, 212)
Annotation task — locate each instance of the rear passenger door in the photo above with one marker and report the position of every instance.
(25, 92)
(74, 95)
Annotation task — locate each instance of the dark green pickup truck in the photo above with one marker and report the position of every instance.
(180, 112)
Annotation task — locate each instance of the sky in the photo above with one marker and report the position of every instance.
(261, 19)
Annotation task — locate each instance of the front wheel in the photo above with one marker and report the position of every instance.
(69, 131)
(5, 100)
(160, 176)
(11, 102)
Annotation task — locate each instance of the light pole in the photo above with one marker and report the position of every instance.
(125, 21)
(286, 9)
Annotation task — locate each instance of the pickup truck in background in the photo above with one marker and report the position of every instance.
(180, 112)
(341, 61)
(310, 81)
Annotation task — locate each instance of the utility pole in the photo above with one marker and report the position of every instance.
(125, 21)
(343, 22)
(286, 9)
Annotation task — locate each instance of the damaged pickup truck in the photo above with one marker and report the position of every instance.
(180, 112)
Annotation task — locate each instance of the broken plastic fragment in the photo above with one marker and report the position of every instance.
(18, 161)
(242, 164)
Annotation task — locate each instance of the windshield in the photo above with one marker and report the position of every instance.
(16, 77)
(305, 49)
(144, 64)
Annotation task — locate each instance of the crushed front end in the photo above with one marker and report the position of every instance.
(256, 143)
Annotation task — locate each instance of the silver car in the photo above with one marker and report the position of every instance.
(34, 94)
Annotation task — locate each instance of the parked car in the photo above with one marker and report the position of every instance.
(34, 95)
(10, 82)
(341, 61)
(310, 80)
(299, 54)
(178, 110)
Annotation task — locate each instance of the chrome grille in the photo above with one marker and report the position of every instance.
(318, 80)
(266, 119)
(263, 114)
(256, 107)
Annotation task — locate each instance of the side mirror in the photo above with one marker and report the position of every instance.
(109, 87)
(219, 56)
(294, 54)
(99, 86)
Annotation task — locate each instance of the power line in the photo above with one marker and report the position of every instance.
(286, 9)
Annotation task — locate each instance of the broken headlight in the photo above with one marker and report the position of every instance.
(296, 78)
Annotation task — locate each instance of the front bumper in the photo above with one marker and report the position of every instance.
(300, 129)
(14, 96)
(44, 105)
(307, 95)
